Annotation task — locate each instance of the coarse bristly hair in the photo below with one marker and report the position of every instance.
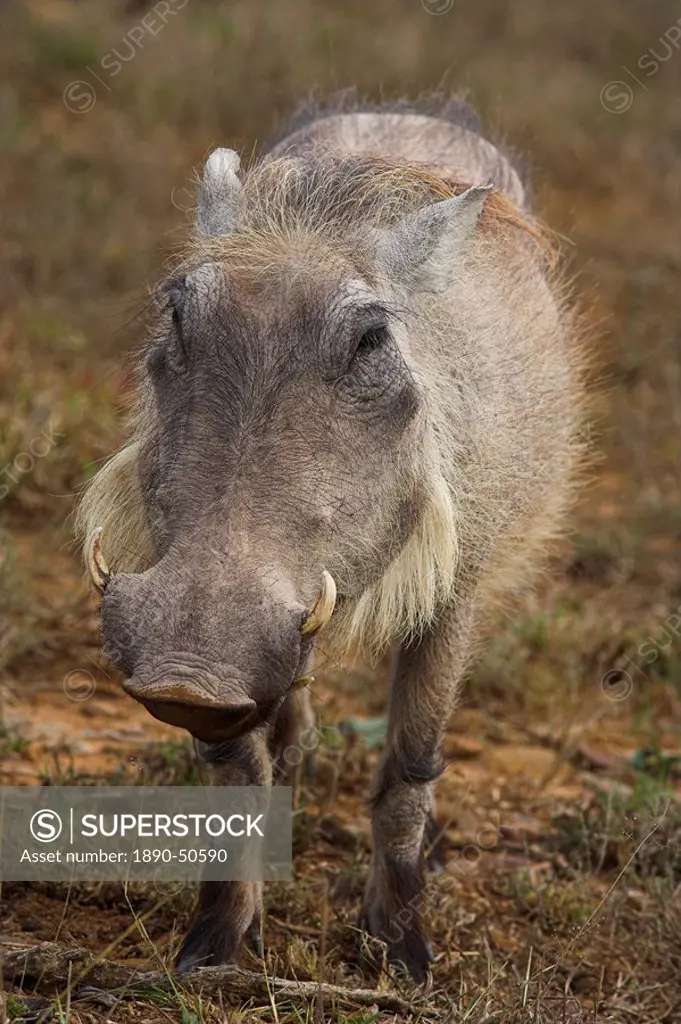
(328, 196)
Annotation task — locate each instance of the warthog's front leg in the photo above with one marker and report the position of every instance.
(293, 739)
(227, 912)
(424, 687)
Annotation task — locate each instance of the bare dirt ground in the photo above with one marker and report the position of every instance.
(560, 804)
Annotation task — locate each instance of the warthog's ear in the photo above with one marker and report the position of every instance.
(221, 195)
(425, 244)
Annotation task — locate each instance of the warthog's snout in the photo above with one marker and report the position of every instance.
(187, 691)
(213, 658)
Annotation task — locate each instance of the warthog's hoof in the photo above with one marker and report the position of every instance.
(228, 914)
(403, 945)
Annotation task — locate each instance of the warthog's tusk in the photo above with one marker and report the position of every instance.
(302, 681)
(323, 607)
(94, 560)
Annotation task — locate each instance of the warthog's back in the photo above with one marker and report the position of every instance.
(450, 144)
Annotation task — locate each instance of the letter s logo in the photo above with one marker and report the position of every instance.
(617, 97)
(45, 826)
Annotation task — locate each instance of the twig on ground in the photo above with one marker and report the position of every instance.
(53, 963)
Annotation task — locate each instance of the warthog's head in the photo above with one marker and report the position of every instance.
(284, 448)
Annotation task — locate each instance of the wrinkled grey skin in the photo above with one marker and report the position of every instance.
(284, 423)
(249, 478)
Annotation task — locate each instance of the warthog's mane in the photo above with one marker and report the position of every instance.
(329, 196)
(453, 110)
(336, 199)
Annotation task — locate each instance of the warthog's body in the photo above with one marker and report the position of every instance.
(354, 376)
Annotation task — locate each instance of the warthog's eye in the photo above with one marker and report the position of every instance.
(370, 342)
(372, 339)
(374, 375)
(174, 291)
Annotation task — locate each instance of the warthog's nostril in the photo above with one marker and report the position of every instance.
(322, 609)
(94, 560)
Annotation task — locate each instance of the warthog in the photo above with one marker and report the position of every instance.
(362, 372)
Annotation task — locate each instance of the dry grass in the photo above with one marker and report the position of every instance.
(571, 914)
